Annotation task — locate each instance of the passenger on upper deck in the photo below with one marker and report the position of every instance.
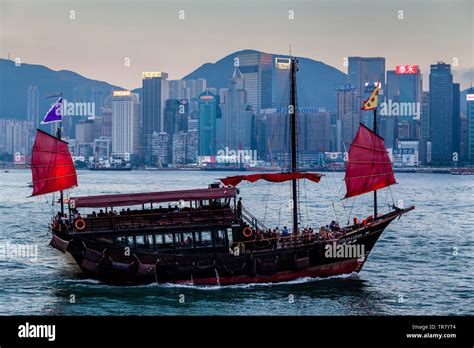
(239, 209)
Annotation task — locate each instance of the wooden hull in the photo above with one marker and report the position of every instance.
(108, 263)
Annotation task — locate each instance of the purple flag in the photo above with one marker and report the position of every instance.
(54, 114)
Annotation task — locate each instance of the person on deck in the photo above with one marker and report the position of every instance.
(356, 221)
(323, 233)
(64, 221)
(239, 209)
(285, 231)
(188, 242)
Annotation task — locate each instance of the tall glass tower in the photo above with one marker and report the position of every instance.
(154, 95)
(441, 123)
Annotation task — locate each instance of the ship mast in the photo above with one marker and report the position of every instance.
(61, 194)
(58, 135)
(293, 120)
(375, 191)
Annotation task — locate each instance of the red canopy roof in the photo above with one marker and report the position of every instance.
(51, 165)
(119, 200)
(273, 177)
(368, 167)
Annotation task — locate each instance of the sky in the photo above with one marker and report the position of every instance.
(115, 41)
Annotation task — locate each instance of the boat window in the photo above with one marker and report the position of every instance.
(229, 236)
(140, 241)
(160, 242)
(168, 241)
(187, 240)
(205, 239)
(149, 240)
(220, 238)
(121, 240)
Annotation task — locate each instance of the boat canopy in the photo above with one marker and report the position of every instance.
(52, 167)
(272, 177)
(368, 167)
(130, 199)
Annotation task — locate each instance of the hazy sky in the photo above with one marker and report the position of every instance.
(150, 33)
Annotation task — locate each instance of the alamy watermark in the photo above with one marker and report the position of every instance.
(400, 109)
(344, 251)
(228, 155)
(78, 109)
(10, 251)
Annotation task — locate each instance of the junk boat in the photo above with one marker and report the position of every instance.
(206, 236)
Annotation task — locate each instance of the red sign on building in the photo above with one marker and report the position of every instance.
(406, 69)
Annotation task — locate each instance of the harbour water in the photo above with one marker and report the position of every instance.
(422, 265)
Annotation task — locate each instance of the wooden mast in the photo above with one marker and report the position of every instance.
(293, 128)
(58, 135)
(375, 191)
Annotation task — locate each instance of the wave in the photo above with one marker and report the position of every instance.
(302, 280)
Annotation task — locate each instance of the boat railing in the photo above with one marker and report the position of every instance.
(158, 219)
(253, 221)
(282, 242)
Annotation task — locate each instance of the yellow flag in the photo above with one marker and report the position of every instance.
(372, 102)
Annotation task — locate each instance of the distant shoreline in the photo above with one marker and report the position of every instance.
(418, 170)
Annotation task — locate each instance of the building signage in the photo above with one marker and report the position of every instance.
(150, 74)
(406, 69)
(121, 93)
(283, 63)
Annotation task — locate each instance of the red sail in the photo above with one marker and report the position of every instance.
(368, 167)
(274, 177)
(51, 165)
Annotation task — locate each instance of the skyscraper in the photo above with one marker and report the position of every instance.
(403, 96)
(425, 116)
(208, 114)
(456, 119)
(85, 131)
(223, 125)
(363, 73)
(463, 149)
(470, 125)
(33, 105)
(161, 148)
(155, 93)
(347, 119)
(176, 116)
(256, 70)
(177, 89)
(282, 82)
(239, 136)
(179, 148)
(125, 123)
(441, 108)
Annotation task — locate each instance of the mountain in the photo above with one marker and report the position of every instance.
(14, 82)
(316, 80)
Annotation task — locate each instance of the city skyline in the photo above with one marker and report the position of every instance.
(98, 40)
